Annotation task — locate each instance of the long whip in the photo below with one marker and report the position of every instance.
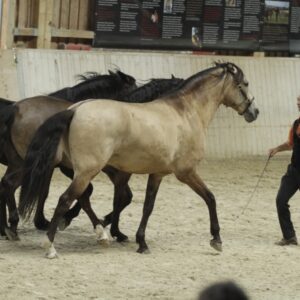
(255, 188)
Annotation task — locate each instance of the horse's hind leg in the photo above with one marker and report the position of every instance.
(152, 189)
(75, 190)
(119, 204)
(124, 192)
(40, 221)
(74, 211)
(193, 180)
(3, 216)
(10, 182)
(98, 224)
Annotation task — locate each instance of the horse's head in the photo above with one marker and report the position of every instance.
(127, 83)
(237, 94)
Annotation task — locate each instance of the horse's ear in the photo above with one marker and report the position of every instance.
(111, 72)
(125, 77)
(172, 77)
(232, 68)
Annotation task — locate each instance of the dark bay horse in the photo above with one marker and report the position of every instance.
(158, 138)
(20, 121)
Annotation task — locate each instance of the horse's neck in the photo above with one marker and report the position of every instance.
(205, 101)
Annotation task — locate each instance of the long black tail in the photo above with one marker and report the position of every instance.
(40, 159)
(7, 116)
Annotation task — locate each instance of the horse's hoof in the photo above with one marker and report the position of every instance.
(11, 235)
(42, 224)
(120, 237)
(143, 250)
(217, 245)
(104, 242)
(51, 252)
(51, 255)
(102, 235)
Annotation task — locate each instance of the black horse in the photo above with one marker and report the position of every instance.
(14, 129)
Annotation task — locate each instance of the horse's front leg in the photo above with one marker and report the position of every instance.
(153, 184)
(193, 180)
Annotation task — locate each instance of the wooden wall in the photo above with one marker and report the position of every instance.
(46, 23)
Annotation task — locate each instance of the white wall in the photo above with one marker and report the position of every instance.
(273, 81)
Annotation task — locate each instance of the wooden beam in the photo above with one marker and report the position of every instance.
(259, 54)
(72, 33)
(8, 23)
(25, 31)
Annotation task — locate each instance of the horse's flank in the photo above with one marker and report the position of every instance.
(31, 113)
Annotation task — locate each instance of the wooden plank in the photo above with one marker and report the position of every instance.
(8, 23)
(41, 23)
(55, 21)
(72, 33)
(74, 13)
(56, 13)
(83, 17)
(44, 27)
(33, 13)
(64, 14)
(48, 25)
(259, 54)
(22, 14)
(25, 31)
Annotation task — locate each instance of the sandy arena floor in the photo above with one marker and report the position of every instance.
(181, 261)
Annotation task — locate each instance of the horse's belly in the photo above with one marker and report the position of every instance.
(139, 163)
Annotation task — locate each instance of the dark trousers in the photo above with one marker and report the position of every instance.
(290, 183)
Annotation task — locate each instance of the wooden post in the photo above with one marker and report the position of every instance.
(8, 23)
(45, 23)
(83, 15)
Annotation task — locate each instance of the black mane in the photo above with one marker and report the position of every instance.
(153, 89)
(114, 85)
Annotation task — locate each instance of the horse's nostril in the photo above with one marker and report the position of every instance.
(257, 111)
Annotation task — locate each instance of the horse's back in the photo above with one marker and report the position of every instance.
(31, 113)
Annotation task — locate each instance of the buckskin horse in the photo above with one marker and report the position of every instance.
(158, 138)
